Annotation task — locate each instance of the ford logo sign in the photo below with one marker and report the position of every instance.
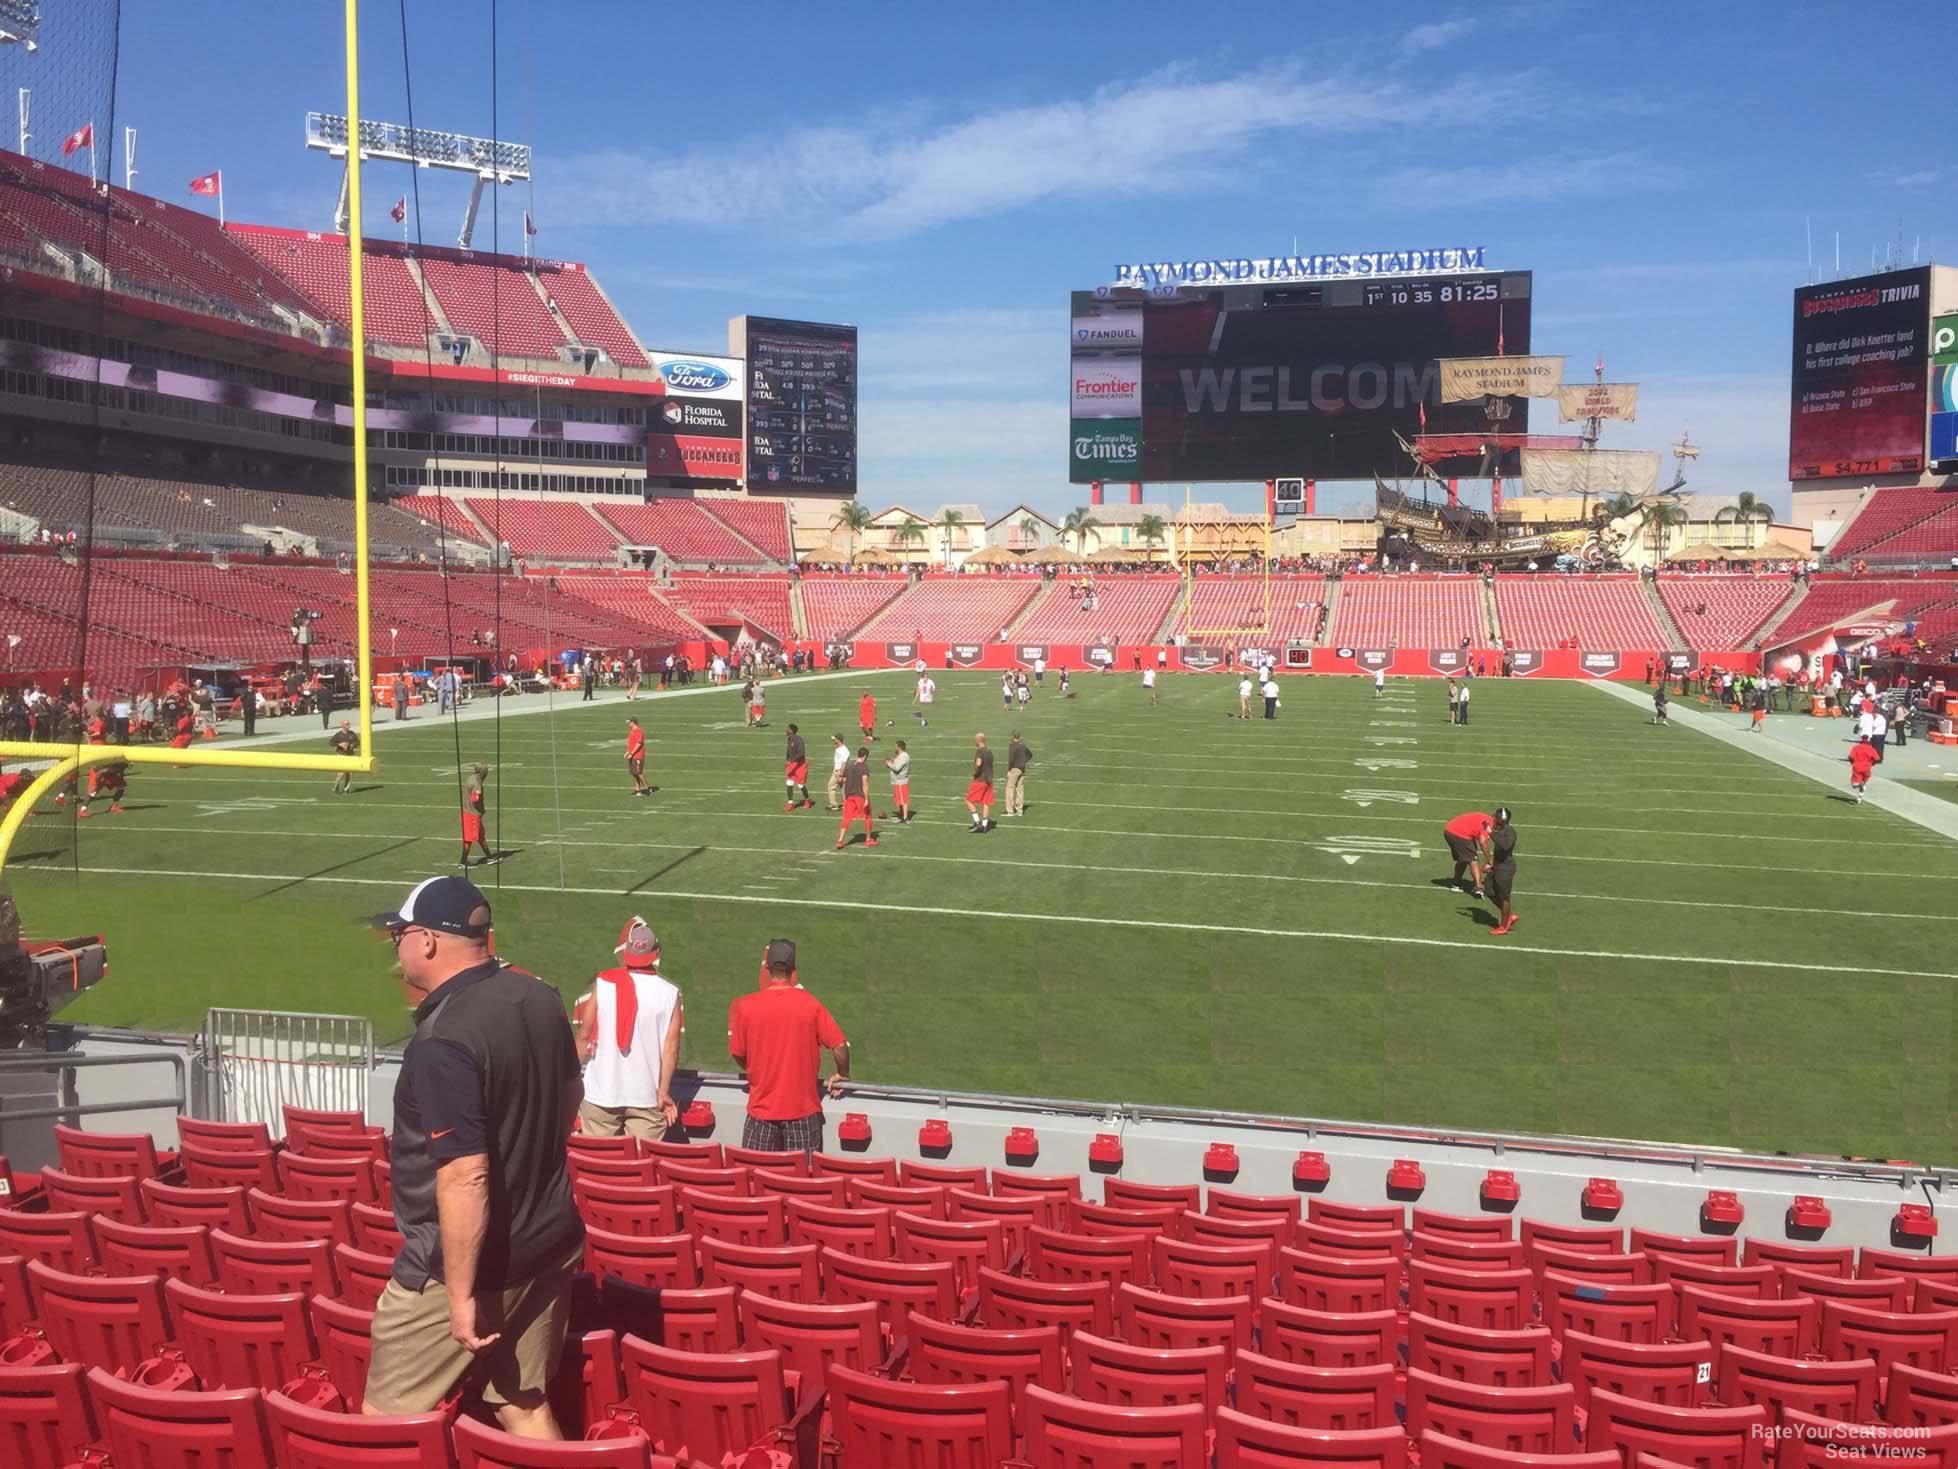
(694, 377)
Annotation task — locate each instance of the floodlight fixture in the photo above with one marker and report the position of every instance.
(486, 159)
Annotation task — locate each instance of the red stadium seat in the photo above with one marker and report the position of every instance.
(1707, 1438)
(1529, 1420)
(695, 1155)
(1339, 1284)
(1907, 1263)
(320, 1120)
(913, 1174)
(318, 1176)
(1815, 1259)
(63, 1240)
(207, 1165)
(1782, 1328)
(241, 1340)
(174, 1205)
(1350, 1244)
(1675, 1374)
(813, 1336)
(1059, 1430)
(1876, 1292)
(859, 1230)
(272, 1267)
(1706, 1248)
(1245, 1442)
(16, 1297)
(1465, 1251)
(1242, 1269)
(921, 1198)
(1756, 1282)
(106, 1196)
(1056, 1186)
(733, 1182)
(1328, 1399)
(625, 1208)
(1053, 1255)
(308, 1436)
(1013, 1302)
(144, 1428)
(825, 1188)
(344, 1336)
(1120, 1193)
(1635, 1313)
(1519, 1358)
(98, 1321)
(1107, 1371)
(1811, 1441)
(176, 1252)
(280, 1218)
(1029, 1356)
(1226, 1203)
(786, 1272)
(1832, 1389)
(362, 1276)
(1271, 1230)
(1441, 1452)
(1933, 1295)
(250, 1137)
(660, 1260)
(792, 1161)
(1495, 1300)
(1912, 1395)
(479, 1446)
(611, 1168)
(1926, 1339)
(877, 1170)
(700, 1320)
(947, 1425)
(374, 1230)
(895, 1286)
(712, 1403)
(106, 1154)
(587, 1386)
(1490, 1227)
(968, 1245)
(593, 1145)
(738, 1218)
(1326, 1338)
(1016, 1213)
(1357, 1216)
(1147, 1318)
(1585, 1239)
(1600, 1269)
(45, 1415)
(1079, 1216)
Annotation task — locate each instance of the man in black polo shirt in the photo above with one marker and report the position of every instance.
(488, 1089)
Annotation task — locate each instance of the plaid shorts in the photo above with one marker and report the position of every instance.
(798, 1134)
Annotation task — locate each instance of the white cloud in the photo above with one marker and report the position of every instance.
(1006, 351)
(1554, 176)
(1916, 178)
(1438, 33)
(1740, 421)
(901, 172)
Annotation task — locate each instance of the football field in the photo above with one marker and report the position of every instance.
(1194, 910)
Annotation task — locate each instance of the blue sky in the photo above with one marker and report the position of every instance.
(943, 177)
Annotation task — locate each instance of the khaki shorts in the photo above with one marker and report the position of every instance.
(416, 1363)
(597, 1121)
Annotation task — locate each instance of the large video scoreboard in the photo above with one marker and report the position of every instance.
(1861, 366)
(1251, 382)
(801, 388)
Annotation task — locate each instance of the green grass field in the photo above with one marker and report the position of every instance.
(1193, 911)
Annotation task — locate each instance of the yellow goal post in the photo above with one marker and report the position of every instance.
(70, 759)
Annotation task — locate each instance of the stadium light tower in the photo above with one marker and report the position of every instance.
(20, 24)
(489, 161)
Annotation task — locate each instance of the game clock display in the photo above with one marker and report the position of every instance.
(802, 406)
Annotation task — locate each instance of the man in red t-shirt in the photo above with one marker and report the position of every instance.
(777, 1036)
(1468, 843)
(867, 715)
(635, 755)
(1862, 760)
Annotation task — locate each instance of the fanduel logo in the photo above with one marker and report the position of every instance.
(694, 377)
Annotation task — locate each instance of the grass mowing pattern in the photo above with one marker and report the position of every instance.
(1254, 946)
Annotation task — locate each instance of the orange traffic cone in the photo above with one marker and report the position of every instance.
(210, 732)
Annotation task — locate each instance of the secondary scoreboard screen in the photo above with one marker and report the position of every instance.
(1256, 382)
(1859, 377)
(801, 404)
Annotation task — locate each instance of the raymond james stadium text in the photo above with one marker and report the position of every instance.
(1301, 267)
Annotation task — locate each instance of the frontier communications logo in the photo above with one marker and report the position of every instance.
(1106, 448)
(1107, 387)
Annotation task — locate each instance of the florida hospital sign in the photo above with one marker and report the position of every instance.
(1300, 267)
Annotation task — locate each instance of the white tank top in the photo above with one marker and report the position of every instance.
(613, 1079)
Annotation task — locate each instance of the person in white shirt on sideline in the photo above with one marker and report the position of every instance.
(922, 699)
(1149, 683)
(1379, 682)
(1270, 692)
(839, 762)
(1244, 698)
(1462, 703)
(628, 1027)
(1879, 728)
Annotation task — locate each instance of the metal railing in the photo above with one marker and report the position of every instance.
(254, 1063)
(67, 1064)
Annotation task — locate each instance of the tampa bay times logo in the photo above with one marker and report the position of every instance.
(1108, 444)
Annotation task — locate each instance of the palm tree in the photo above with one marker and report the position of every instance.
(1747, 506)
(1616, 507)
(911, 532)
(949, 523)
(1078, 523)
(1151, 529)
(1029, 530)
(854, 519)
(1660, 516)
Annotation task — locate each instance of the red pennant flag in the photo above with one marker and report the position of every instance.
(83, 137)
(210, 183)
(400, 210)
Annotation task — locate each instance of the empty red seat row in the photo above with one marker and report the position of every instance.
(1126, 609)
(973, 609)
(836, 606)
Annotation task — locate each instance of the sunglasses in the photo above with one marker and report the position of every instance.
(396, 935)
